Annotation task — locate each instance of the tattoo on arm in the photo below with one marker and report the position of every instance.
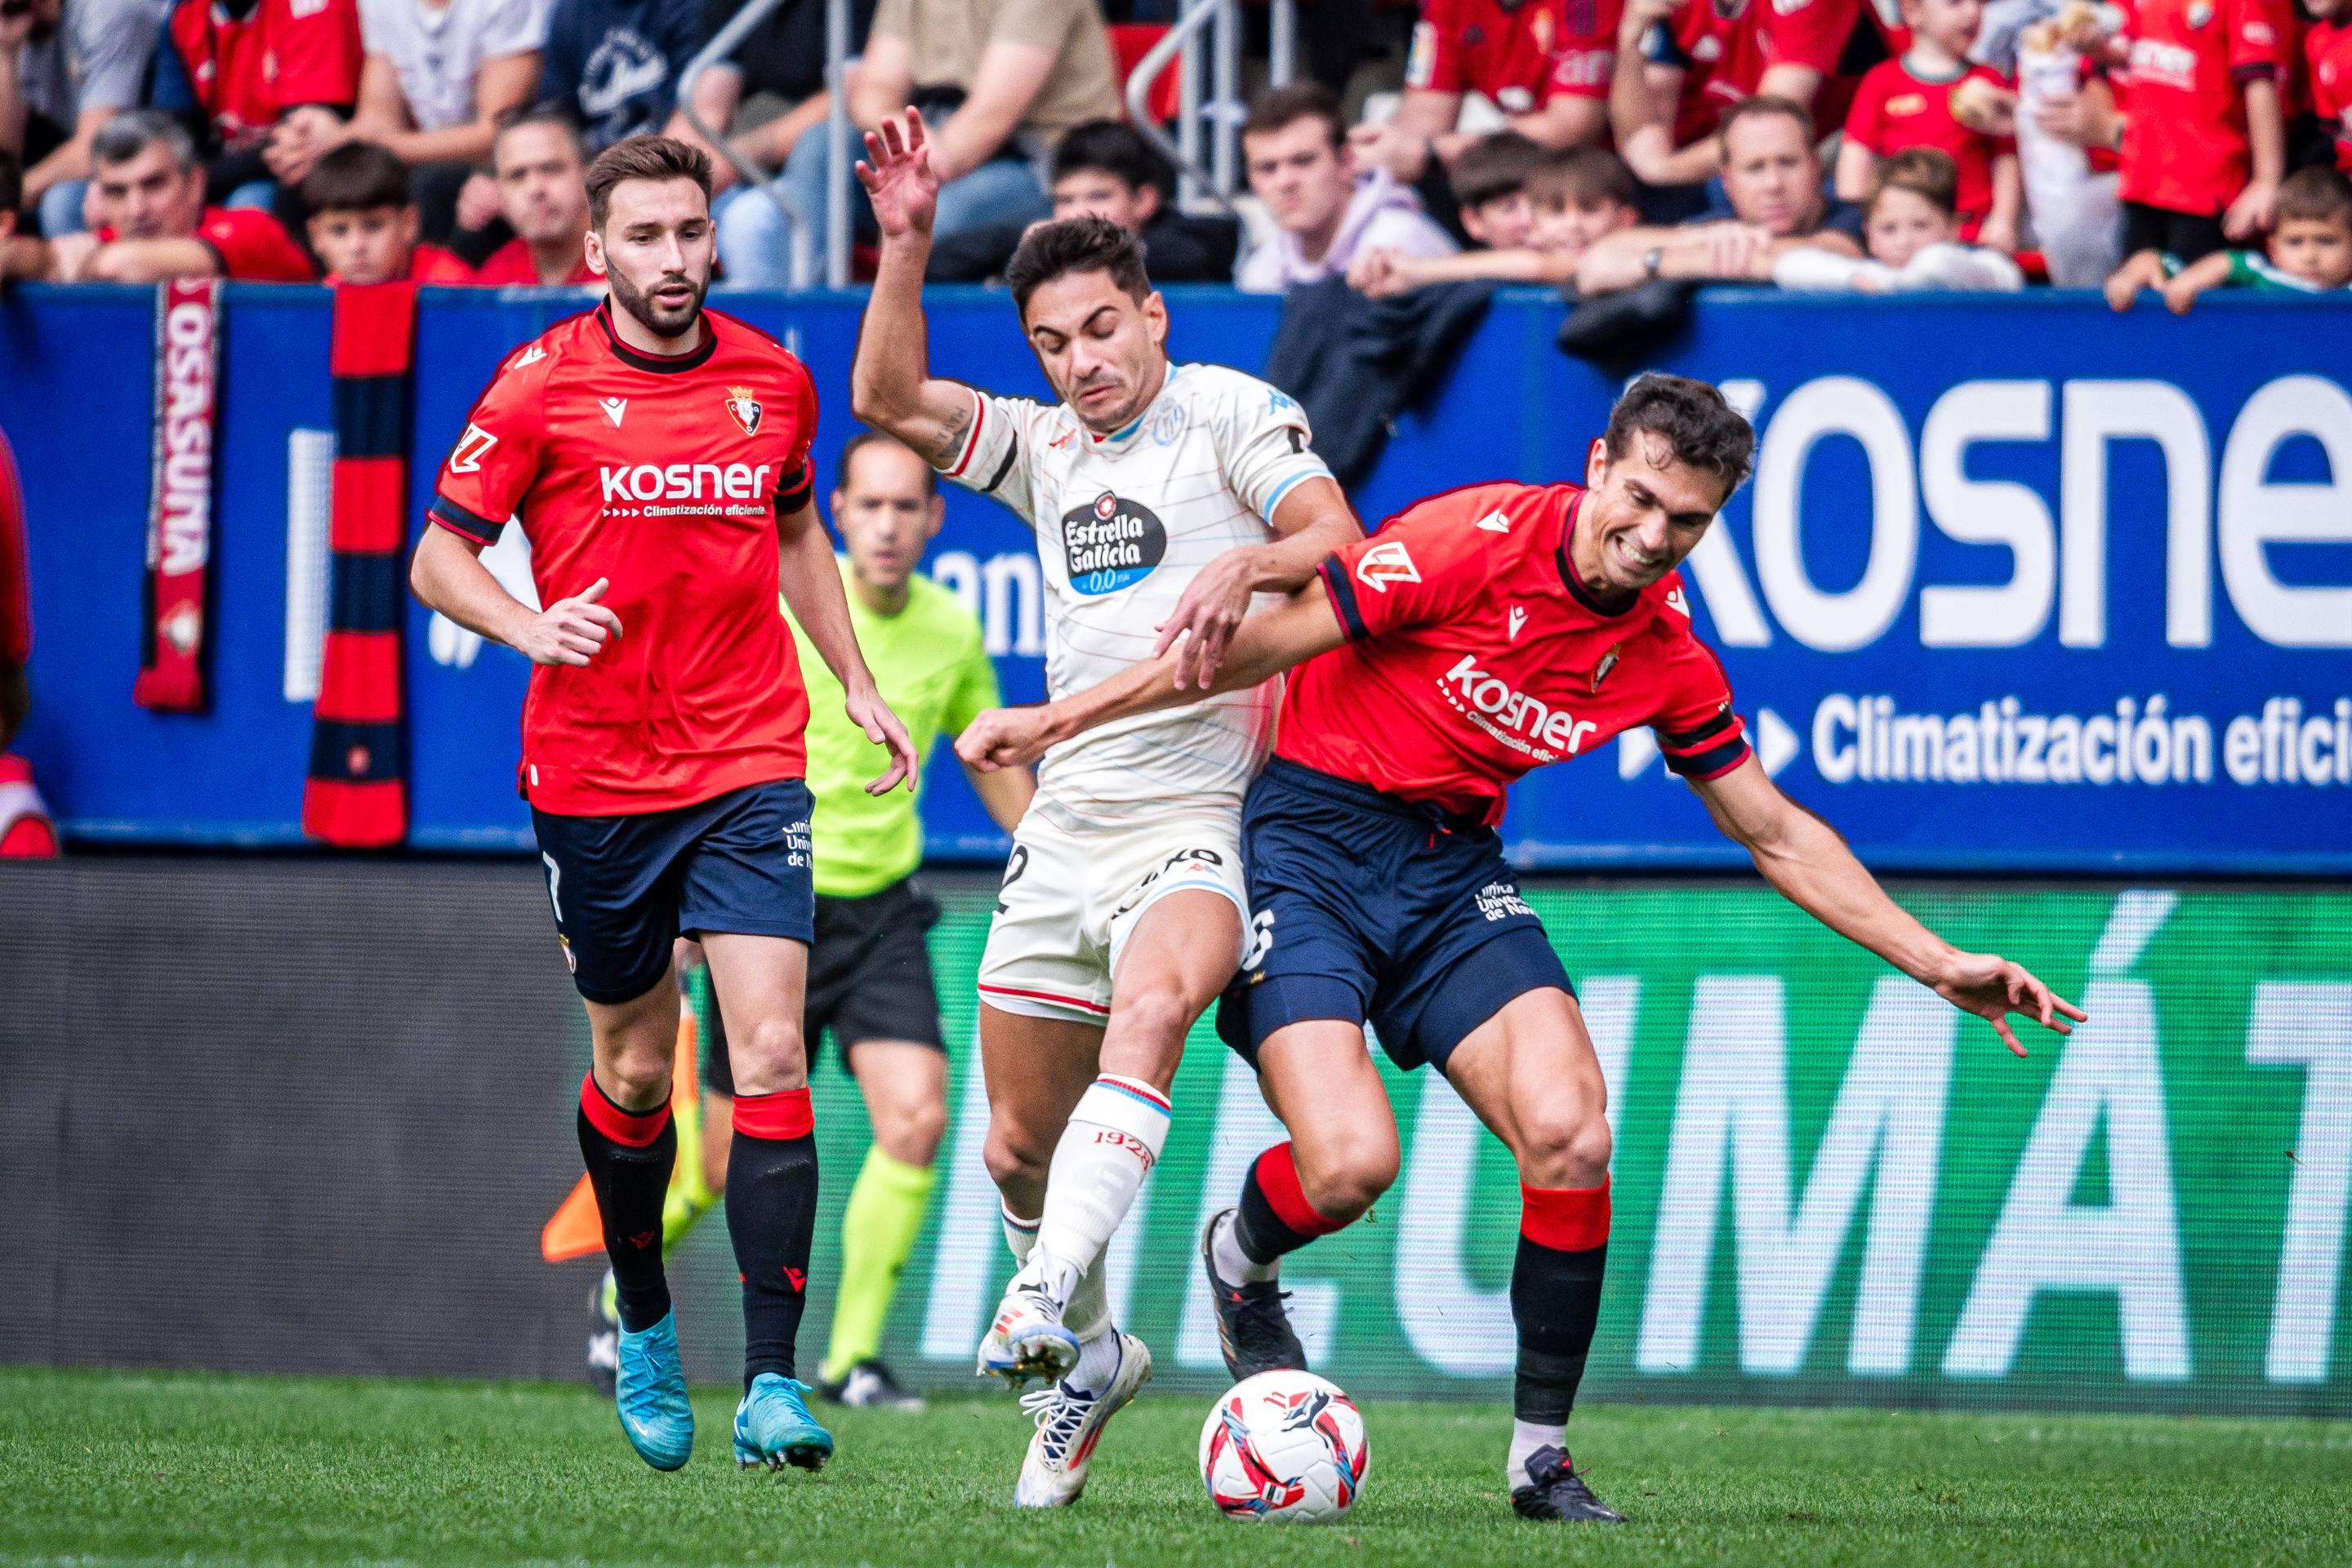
(950, 440)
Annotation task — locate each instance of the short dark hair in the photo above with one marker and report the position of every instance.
(1051, 250)
(1115, 148)
(1763, 107)
(1493, 167)
(135, 131)
(2316, 195)
(358, 176)
(865, 438)
(1928, 173)
(1705, 431)
(12, 181)
(1283, 106)
(1580, 177)
(541, 114)
(661, 157)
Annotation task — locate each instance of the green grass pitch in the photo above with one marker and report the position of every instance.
(107, 1468)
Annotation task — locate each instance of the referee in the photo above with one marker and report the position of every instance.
(869, 970)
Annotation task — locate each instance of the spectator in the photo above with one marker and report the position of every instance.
(1912, 227)
(1295, 146)
(1000, 83)
(541, 171)
(1576, 196)
(26, 829)
(1490, 183)
(147, 198)
(613, 65)
(273, 82)
(2310, 251)
(77, 68)
(2328, 63)
(363, 221)
(1545, 64)
(1106, 169)
(1915, 101)
(1772, 187)
(1687, 61)
(2204, 138)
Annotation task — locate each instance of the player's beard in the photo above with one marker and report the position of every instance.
(672, 322)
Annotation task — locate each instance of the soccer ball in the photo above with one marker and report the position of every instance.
(1284, 1446)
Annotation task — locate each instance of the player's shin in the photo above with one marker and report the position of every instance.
(771, 1219)
(877, 1232)
(629, 1155)
(1555, 1301)
(1110, 1144)
(1274, 1216)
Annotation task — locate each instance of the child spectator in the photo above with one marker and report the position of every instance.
(543, 175)
(272, 80)
(1490, 183)
(2204, 135)
(1295, 146)
(1576, 196)
(2309, 252)
(2327, 63)
(363, 221)
(1914, 102)
(1912, 228)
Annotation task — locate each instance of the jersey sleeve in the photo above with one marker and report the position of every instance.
(1701, 736)
(796, 485)
(496, 459)
(253, 247)
(2257, 45)
(994, 458)
(1263, 441)
(1809, 33)
(1426, 565)
(318, 53)
(1433, 63)
(976, 689)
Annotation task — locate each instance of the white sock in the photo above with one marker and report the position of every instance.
(1527, 1437)
(1234, 1265)
(1019, 1235)
(1097, 1362)
(1111, 1143)
(1088, 1311)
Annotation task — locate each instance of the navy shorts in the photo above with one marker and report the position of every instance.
(624, 887)
(1364, 907)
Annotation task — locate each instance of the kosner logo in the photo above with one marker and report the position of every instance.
(1508, 714)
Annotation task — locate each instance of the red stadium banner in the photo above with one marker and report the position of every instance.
(172, 627)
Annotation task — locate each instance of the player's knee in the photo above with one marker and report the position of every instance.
(1015, 1157)
(636, 1079)
(1150, 1022)
(1344, 1175)
(767, 1057)
(910, 1134)
(1563, 1145)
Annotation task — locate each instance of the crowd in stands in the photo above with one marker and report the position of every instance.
(1604, 147)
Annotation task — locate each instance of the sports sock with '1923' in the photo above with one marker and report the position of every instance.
(771, 1219)
(1556, 1302)
(1112, 1141)
(629, 1155)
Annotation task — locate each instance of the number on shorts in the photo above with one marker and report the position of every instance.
(1013, 866)
(1261, 938)
(554, 883)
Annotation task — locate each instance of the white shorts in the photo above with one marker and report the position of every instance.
(1071, 897)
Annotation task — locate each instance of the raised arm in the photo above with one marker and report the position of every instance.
(1804, 858)
(891, 386)
(1312, 518)
(448, 575)
(811, 580)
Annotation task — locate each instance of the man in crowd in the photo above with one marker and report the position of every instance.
(64, 72)
(147, 198)
(1295, 146)
(538, 164)
(363, 221)
(1773, 204)
(613, 65)
(273, 82)
(1687, 61)
(1106, 169)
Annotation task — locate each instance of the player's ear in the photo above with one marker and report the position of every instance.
(594, 252)
(1155, 311)
(1596, 463)
(936, 513)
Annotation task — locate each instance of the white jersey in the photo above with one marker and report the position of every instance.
(1124, 523)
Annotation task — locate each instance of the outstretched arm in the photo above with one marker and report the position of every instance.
(1804, 859)
(1291, 632)
(811, 580)
(1313, 520)
(891, 386)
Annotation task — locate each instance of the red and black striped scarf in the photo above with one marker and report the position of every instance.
(357, 794)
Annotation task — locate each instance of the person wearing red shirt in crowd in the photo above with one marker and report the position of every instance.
(1482, 633)
(1907, 102)
(363, 221)
(1688, 60)
(147, 206)
(2204, 138)
(2327, 70)
(657, 456)
(1545, 64)
(273, 78)
(539, 164)
(26, 831)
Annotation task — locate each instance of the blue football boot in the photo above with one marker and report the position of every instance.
(774, 1428)
(649, 1391)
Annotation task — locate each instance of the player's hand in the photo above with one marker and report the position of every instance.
(478, 201)
(870, 713)
(899, 179)
(1206, 617)
(570, 631)
(2251, 214)
(2086, 119)
(1992, 988)
(1738, 249)
(1005, 738)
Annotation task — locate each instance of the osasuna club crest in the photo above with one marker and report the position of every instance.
(745, 409)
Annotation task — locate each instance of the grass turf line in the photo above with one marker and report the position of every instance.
(117, 1468)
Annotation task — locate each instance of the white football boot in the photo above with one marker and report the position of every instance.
(1027, 1338)
(1054, 1471)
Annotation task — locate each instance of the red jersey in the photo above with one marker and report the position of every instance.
(1474, 655)
(15, 595)
(1520, 53)
(1724, 46)
(510, 264)
(1896, 108)
(666, 477)
(247, 244)
(2185, 148)
(431, 264)
(2328, 63)
(248, 70)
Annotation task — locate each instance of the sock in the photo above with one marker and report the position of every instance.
(1556, 1302)
(1527, 1437)
(1233, 1263)
(878, 1231)
(1087, 1312)
(1019, 1235)
(1275, 1216)
(1110, 1144)
(771, 1218)
(1097, 1363)
(629, 1154)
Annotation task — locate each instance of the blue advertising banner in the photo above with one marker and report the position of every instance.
(2020, 584)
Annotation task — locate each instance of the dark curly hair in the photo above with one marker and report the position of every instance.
(1705, 431)
(1051, 250)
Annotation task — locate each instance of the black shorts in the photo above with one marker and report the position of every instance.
(624, 888)
(2191, 236)
(869, 979)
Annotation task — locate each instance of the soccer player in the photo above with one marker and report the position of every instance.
(1482, 633)
(657, 456)
(1163, 497)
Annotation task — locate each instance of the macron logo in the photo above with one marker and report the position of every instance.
(1496, 522)
(1384, 563)
(1677, 604)
(531, 355)
(1519, 620)
(613, 409)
